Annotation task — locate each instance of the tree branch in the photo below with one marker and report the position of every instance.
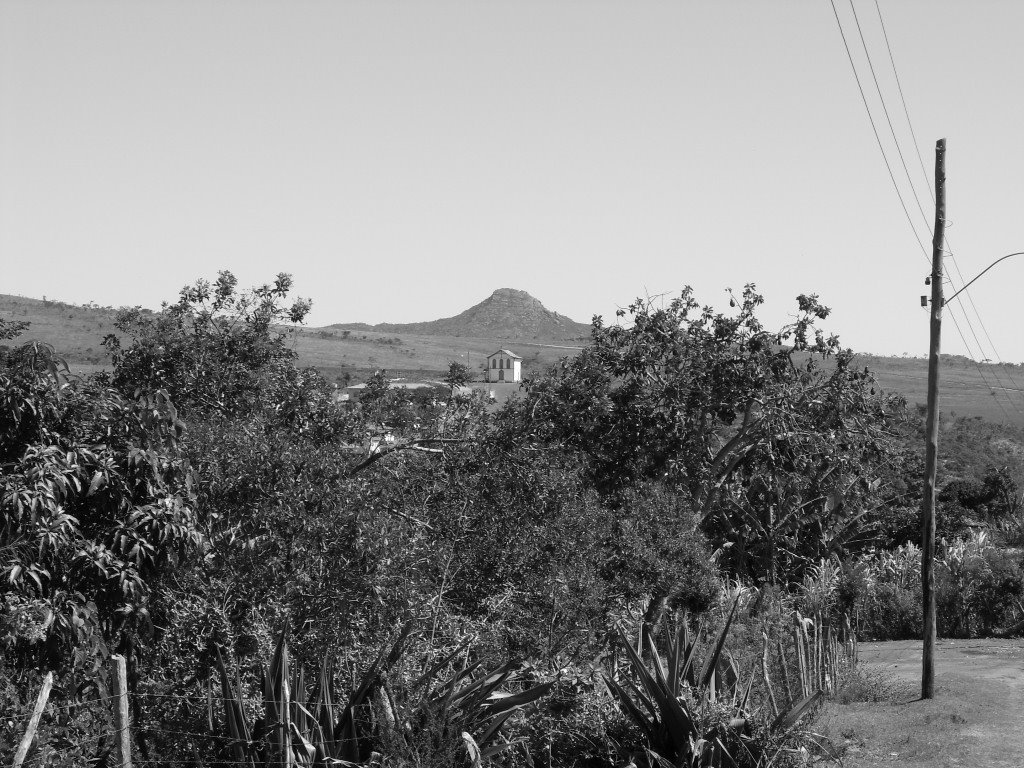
(422, 445)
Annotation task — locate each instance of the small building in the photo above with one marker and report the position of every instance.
(504, 366)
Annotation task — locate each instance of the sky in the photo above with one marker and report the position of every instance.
(402, 160)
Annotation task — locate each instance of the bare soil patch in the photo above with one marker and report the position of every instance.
(975, 719)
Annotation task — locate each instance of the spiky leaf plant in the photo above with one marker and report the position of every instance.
(463, 712)
(298, 729)
(669, 700)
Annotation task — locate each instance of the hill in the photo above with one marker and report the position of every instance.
(353, 351)
(506, 313)
(342, 353)
(993, 391)
(76, 332)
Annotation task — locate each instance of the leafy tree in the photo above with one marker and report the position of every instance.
(424, 412)
(95, 503)
(515, 538)
(212, 348)
(10, 329)
(457, 376)
(997, 495)
(777, 441)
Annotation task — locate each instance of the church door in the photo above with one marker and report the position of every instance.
(501, 375)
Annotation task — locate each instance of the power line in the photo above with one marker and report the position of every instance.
(892, 176)
(899, 87)
(981, 373)
(984, 329)
(981, 322)
(906, 112)
(874, 128)
(970, 326)
(920, 159)
(885, 110)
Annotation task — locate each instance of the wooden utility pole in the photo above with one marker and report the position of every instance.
(122, 738)
(932, 432)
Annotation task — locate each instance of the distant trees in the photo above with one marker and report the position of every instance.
(11, 329)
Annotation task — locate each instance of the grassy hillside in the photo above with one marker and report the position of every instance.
(336, 352)
(994, 392)
(991, 391)
(77, 333)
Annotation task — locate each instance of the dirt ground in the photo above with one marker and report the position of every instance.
(975, 719)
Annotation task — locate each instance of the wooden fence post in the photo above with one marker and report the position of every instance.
(33, 723)
(800, 657)
(785, 674)
(809, 667)
(819, 668)
(122, 736)
(764, 672)
(821, 635)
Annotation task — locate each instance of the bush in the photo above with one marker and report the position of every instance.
(977, 589)
(869, 685)
(690, 704)
(999, 590)
(577, 724)
(977, 586)
(884, 591)
(893, 613)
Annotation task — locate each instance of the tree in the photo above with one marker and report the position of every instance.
(212, 349)
(457, 376)
(775, 438)
(95, 503)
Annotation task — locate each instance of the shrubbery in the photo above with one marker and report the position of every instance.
(978, 587)
(209, 493)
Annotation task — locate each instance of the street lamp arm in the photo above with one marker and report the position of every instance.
(986, 269)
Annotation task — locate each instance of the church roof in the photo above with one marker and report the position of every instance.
(504, 352)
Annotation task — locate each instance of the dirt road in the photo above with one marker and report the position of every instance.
(975, 719)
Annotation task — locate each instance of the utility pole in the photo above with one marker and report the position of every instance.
(932, 432)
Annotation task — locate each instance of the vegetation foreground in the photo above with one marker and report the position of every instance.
(661, 553)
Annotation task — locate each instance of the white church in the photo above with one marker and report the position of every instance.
(504, 366)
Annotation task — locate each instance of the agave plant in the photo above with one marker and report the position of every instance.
(668, 699)
(464, 712)
(299, 729)
(474, 703)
